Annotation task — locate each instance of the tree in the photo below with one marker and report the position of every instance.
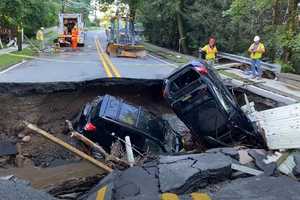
(291, 29)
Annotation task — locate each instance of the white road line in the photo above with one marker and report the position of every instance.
(52, 60)
(163, 61)
(13, 67)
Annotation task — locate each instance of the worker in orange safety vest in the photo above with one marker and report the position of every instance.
(74, 38)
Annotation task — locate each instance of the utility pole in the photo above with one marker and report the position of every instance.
(19, 37)
(116, 2)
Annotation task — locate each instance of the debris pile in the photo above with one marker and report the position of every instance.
(207, 173)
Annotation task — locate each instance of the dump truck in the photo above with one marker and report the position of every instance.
(67, 21)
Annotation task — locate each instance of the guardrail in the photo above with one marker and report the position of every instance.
(276, 68)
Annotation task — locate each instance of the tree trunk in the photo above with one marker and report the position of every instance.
(275, 23)
(19, 38)
(291, 27)
(132, 15)
(292, 16)
(182, 39)
(275, 13)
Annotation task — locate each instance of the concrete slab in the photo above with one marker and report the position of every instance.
(17, 189)
(260, 188)
(7, 148)
(199, 170)
(133, 183)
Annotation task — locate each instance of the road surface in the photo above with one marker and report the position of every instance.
(85, 64)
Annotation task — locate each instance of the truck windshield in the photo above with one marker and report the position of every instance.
(184, 80)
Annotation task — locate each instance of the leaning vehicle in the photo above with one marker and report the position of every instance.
(107, 119)
(199, 98)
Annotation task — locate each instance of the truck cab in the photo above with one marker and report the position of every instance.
(67, 21)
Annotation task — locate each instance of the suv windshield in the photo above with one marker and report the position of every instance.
(128, 114)
(133, 116)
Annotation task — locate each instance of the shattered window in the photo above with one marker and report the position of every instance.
(128, 114)
(184, 80)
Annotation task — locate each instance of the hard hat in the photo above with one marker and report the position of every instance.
(256, 39)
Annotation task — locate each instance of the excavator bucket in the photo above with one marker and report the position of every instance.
(128, 51)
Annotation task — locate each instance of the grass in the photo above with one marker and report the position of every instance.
(230, 74)
(7, 60)
(175, 57)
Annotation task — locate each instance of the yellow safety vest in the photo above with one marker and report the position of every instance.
(210, 52)
(40, 35)
(257, 55)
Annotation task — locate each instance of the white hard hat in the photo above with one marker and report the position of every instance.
(256, 39)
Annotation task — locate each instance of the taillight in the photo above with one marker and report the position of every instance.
(202, 70)
(89, 127)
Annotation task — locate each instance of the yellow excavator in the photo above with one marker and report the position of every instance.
(123, 40)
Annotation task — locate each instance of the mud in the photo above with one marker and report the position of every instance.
(49, 105)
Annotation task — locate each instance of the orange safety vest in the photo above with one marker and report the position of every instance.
(74, 33)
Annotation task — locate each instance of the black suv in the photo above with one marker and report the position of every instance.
(107, 114)
(199, 98)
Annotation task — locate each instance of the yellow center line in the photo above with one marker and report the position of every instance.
(107, 59)
(101, 193)
(113, 67)
(105, 66)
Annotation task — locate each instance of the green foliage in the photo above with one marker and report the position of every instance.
(29, 14)
(79, 6)
(33, 14)
(286, 67)
(233, 22)
(7, 60)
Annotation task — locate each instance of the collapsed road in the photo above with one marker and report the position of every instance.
(202, 172)
(49, 105)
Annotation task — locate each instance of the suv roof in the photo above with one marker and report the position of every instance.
(133, 117)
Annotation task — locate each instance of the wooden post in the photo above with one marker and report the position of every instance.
(68, 147)
(92, 144)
